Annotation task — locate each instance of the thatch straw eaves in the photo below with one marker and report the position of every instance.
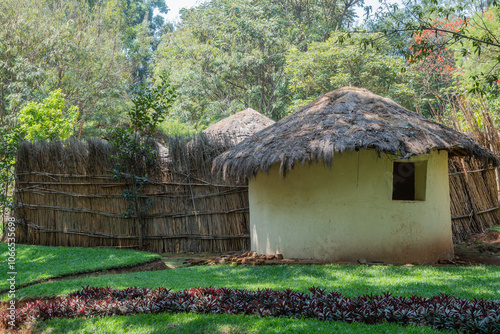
(346, 119)
(239, 126)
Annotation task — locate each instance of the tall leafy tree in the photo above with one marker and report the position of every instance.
(314, 20)
(480, 62)
(229, 55)
(53, 44)
(343, 60)
(57, 45)
(142, 24)
(132, 145)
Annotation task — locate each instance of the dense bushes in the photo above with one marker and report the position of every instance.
(441, 312)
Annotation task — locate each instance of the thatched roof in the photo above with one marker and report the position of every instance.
(225, 133)
(345, 119)
(239, 126)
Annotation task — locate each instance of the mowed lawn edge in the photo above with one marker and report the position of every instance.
(37, 263)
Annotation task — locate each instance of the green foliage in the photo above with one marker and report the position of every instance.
(8, 149)
(90, 50)
(343, 60)
(174, 128)
(475, 36)
(224, 58)
(47, 120)
(480, 64)
(36, 121)
(151, 105)
(141, 30)
(35, 263)
(133, 152)
(229, 55)
(132, 144)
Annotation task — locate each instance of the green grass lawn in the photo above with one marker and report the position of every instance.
(221, 323)
(34, 263)
(464, 282)
(351, 280)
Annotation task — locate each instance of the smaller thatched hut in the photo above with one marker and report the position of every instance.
(239, 126)
(375, 185)
(226, 133)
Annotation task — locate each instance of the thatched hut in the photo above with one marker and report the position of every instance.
(375, 185)
(239, 126)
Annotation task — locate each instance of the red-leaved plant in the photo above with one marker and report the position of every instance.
(441, 312)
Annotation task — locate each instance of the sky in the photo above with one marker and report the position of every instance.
(176, 5)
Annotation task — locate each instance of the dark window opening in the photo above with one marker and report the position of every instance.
(403, 181)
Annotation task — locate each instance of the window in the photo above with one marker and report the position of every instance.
(409, 181)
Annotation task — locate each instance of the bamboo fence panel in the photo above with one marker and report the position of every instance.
(473, 198)
(66, 196)
(474, 187)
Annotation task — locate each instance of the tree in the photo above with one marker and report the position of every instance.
(314, 20)
(47, 120)
(229, 55)
(435, 74)
(480, 66)
(48, 47)
(53, 44)
(37, 121)
(474, 36)
(132, 144)
(342, 60)
(141, 30)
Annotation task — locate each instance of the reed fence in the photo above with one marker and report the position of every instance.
(473, 198)
(66, 195)
(474, 188)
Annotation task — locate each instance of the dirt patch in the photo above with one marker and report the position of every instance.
(489, 236)
(463, 257)
(471, 257)
(481, 249)
(181, 260)
(247, 259)
(148, 266)
(488, 241)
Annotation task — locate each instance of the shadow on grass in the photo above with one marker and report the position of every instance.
(463, 282)
(37, 263)
(205, 323)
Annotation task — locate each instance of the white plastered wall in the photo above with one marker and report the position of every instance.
(346, 212)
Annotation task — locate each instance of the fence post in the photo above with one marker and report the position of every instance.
(469, 191)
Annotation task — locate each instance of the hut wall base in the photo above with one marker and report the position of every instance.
(346, 212)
